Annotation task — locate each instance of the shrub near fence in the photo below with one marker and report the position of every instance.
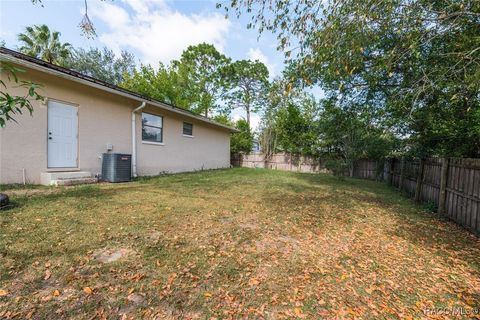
(450, 185)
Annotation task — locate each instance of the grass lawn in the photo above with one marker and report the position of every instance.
(239, 243)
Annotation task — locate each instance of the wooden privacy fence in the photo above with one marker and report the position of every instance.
(365, 169)
(279, 161)
(450, 185)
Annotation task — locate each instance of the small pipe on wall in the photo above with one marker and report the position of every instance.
(134, 140)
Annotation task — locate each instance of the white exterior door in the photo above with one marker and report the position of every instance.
(62, 135)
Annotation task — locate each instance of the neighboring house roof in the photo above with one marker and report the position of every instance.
(41, 65)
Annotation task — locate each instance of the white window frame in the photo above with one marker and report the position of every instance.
(183, 127)
(161, 143)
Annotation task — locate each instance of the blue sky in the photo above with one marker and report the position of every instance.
(154, 30)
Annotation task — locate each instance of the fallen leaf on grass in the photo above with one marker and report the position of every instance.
(298, 312)
(274, 299)
(48, 274)
(88, 290)
(56, 293)
(207, 294)
(3, 292)
(253, 282)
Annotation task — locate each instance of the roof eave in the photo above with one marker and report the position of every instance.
(99, 86)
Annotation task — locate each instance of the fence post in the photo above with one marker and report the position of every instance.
(402, 174)
(443, 186)
(418, 189)
(390, 170)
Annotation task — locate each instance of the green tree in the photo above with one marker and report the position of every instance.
(289, 121)
(351, 134)
(39, 42)
(201, 68)
(248, 86)
(223, 119)
(297, 128)
(101, 64)
(11, 105)
(414, 60)
(241, 141)
(163, 84)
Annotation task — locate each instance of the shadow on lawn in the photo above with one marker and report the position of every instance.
(417, 226)
(434, 232)
(92, 192)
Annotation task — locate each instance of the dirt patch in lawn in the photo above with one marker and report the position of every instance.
(111, 255)
(283, 244)
(154, 236)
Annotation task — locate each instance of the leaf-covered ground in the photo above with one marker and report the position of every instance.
(239, 243)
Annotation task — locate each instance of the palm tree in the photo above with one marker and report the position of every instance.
(40, 42)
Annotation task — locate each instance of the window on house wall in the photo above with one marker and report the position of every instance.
(152, 127)
(187, 129)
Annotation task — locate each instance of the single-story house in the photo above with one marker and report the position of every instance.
(82, 118)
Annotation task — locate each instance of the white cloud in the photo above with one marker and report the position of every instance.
(155, 30)
(257, 54)
(114, 16)
(143, 6)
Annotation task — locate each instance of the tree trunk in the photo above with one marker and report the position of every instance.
(248, 116)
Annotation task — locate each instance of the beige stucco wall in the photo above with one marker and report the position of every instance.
(104, 118)
(207, 149)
